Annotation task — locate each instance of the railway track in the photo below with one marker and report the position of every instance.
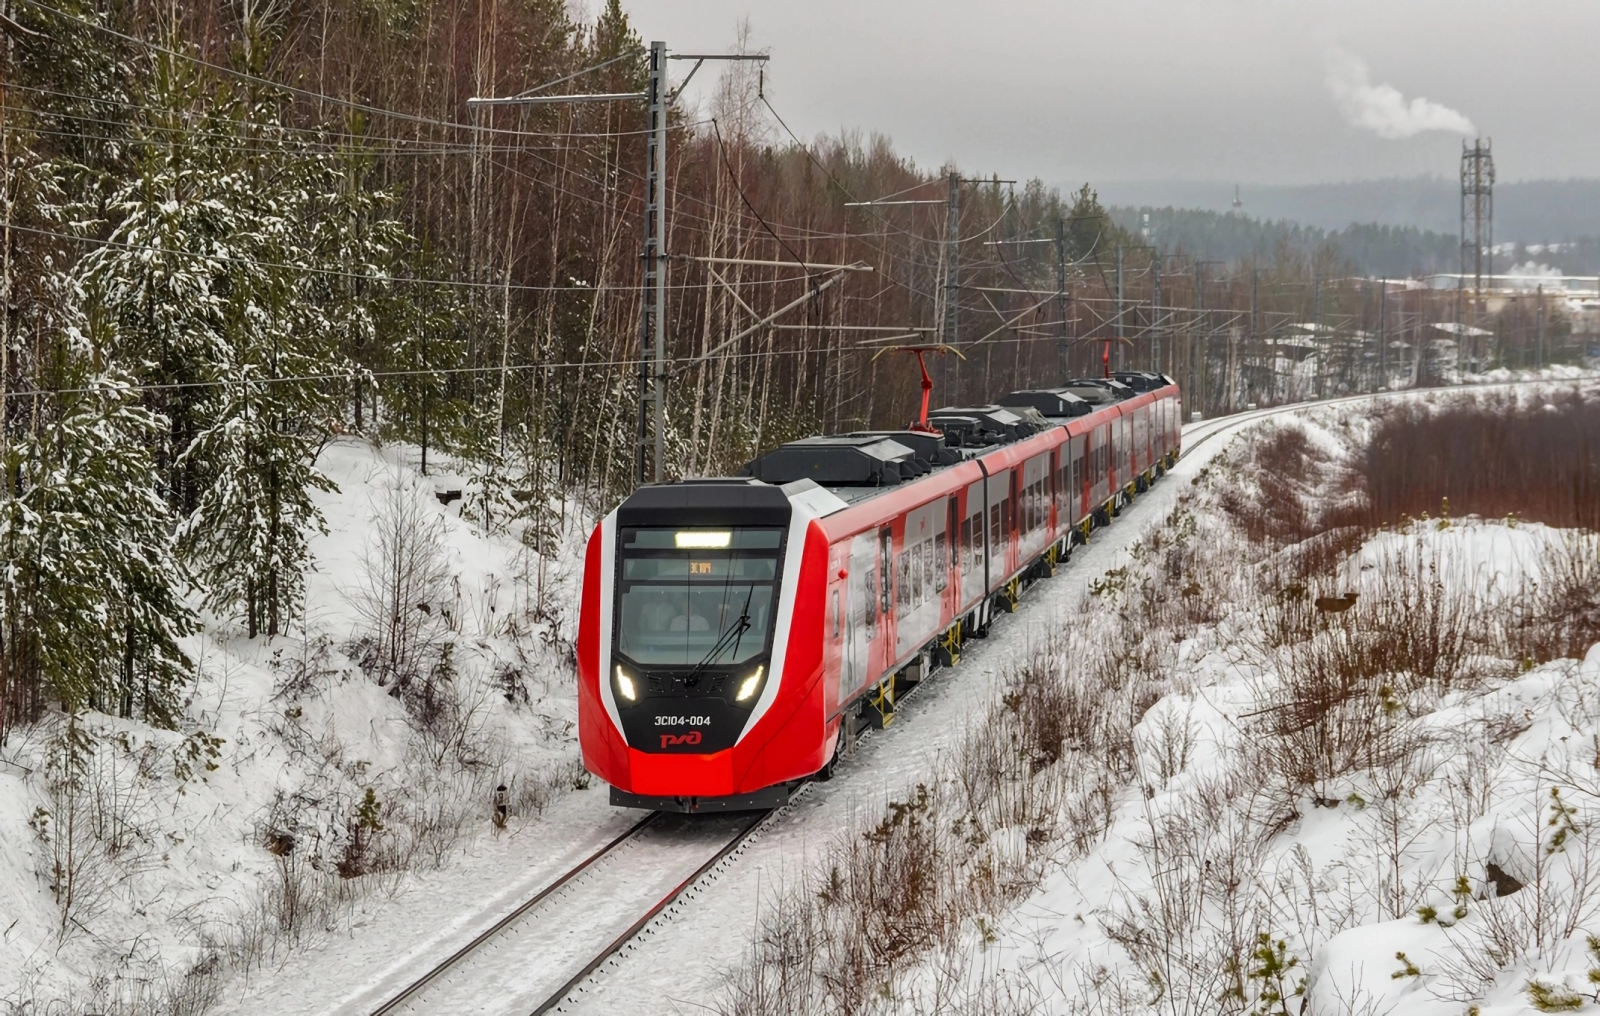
(536, 957)
(1196, 434)
(532, 959)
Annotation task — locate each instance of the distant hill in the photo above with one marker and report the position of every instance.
(1375, 248)
(1526, 212)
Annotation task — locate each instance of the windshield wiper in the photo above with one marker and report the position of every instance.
(735, 631)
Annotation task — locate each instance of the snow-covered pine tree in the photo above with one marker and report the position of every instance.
(89, 589)
(246, 536)
(160, 283)
(249, 263)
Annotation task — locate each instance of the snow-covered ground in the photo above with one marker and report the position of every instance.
(679, 963)
(175, 853)
(1443, 854)
(306, 733)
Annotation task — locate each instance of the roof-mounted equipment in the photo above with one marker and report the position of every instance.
(866, 461)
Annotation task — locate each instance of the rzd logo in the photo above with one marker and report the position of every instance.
(672, 740)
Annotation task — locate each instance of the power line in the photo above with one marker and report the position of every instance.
(304, 93)
(734, 179)
(688, 360)
(440, 148)
(320, 131)
(392, 280)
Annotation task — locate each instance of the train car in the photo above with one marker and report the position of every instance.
(735, 634)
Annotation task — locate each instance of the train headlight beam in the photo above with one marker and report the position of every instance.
(750, 685)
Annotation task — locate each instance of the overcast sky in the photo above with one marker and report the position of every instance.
(1286, 91)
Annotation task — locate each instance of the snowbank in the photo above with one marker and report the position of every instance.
(1386, 803)
(163, 864)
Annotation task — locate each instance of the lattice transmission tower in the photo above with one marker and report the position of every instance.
(1477, 228)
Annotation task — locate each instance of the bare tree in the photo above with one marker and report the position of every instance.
(400, 596)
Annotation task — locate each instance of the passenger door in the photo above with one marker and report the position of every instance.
(884, 656)
(861, 613)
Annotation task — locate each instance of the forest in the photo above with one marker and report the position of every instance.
(232, 233)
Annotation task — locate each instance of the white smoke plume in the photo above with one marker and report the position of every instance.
(1381, 109)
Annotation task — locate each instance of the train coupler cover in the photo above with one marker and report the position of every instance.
(760, 800)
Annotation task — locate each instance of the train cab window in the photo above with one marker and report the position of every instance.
(838, 621)
(681, 591)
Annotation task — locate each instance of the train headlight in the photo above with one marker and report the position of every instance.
(751, 684)
(625, 685)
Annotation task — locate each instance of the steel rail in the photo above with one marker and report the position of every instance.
(428, 978)
(666, 901)
(1223, 424)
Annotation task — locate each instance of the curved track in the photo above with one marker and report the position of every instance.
(535, 958)
(1196, 434)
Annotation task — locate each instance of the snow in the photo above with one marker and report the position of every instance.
(305, 732)
(205, 871)
(1342, 882)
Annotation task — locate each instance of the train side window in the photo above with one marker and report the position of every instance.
(913, 595)
(919, 567)
(977, 544)
(952, 526)
(838, 622)
(941, 562)
(869, 600)
(885, 568)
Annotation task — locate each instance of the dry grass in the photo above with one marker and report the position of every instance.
(1042, 767)
(1559, 617)
(1491, 457)
(1342, 690)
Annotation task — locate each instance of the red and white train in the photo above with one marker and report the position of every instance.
(735, 634)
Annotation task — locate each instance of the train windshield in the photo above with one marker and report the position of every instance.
(702, 594)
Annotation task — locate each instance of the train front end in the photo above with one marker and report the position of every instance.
(699, 661)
